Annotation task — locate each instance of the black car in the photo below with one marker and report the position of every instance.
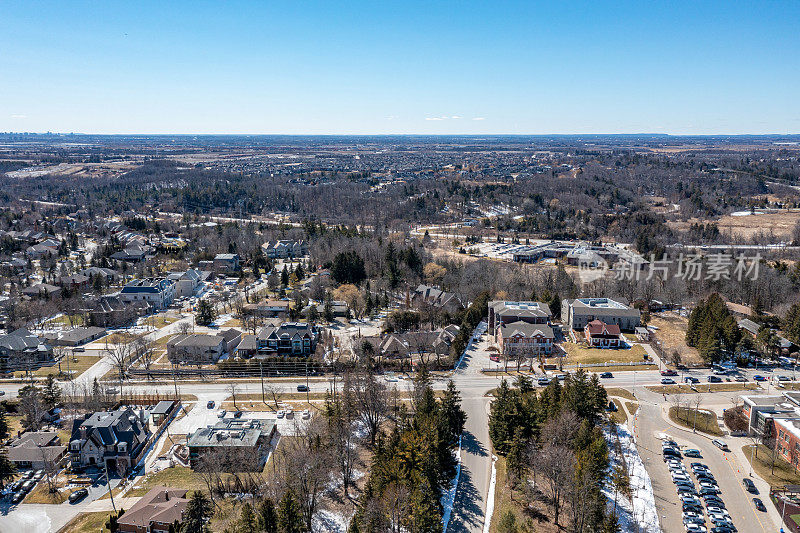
(728, 528)
(714, 379)
(78, 495)
(302, 388)
(759, 505)
(749, 485)
(237, 414)
(210, 404)
(606, 375)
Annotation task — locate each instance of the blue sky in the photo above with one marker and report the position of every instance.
(296, 66)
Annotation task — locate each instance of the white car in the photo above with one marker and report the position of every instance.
(306, 414)
(280, 414)
(392, 379)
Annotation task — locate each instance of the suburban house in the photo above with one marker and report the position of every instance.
(436, 298)
(269, 309)
(196, 349)
(111, 311)
(413, 343)
(158, 292)
(579, 312)
(522, 339)
(134, 252)
(75, 282)
(41, 290)
(226, 263)
(244, 443)
(598, 334)
(155, 512)
(247, 347)
(22, 350)
(338, 309)
(749, 326)
(186, 283)
(36, 450)
(289, 338)
(75, 336)
(283, 249)
(506, 312)
(115, 439)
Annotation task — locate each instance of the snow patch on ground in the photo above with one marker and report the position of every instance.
(490, 500)
(641, 509)
(328, 522)
(449, 498)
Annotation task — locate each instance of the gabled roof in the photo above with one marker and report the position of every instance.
(513, 329)
(600, 328)
(164, 505)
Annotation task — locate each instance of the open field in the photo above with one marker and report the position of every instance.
(783, 474)
(619, 416)
(177, 476)
(76, 364)
(694, 418)
(780, 223)
(672, 334)
(579, 354)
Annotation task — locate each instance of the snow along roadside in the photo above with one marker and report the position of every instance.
(487, 521)
(449, 499)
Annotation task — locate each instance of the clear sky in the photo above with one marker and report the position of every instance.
(300, 66)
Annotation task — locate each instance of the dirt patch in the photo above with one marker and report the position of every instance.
(779, 223)
(672, 335)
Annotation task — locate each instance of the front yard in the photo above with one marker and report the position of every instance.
(582, 354)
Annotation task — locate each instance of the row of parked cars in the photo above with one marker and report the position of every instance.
(20, 488)
(695, 497)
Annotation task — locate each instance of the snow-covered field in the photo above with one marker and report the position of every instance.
(641, 508)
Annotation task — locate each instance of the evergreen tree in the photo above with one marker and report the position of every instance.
(198, 511)
(284, 276)
(267, 518)
(7, 468)
(247, 519)
(290, 517)
(206, 313)
(51, 393)
(4, 429)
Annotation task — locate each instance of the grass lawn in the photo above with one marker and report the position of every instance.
(784, 473)
(116, 338)
(160, 321)
(63, 320)
(177, 476)
(77, 365)
(577, 353)
(87, 523)
(632, 406)
(619, 416)
(622, 393)
(706, 422)
(41, 494)
(702, 387)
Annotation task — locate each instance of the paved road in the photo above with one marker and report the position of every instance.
(650, 426)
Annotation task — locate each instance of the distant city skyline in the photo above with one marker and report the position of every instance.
(514, 67)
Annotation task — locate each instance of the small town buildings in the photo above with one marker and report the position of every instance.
(579, 312)
(41, 290)
(247, 347)
(522, 339)
(22, 350)
(243, 444)
(289, 338)
(283, 249)
(598, 334)
(134, 252)
(36, 450)
(186, 283)
(155, 512)
(226, 263)
(158, 292)
(163, 410)
(114, 439)
(269, 309)
(436, 298)
(506, 312)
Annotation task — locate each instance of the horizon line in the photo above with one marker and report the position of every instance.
(574, 134)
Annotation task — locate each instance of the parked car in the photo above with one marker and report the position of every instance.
(306, 414)
(222, 414)
(667, 381)
(740, 379)
(280, 414)
(759, 377)
(759, 505)
(714, 379)
(691, 452)
(784, 378)
(691, 379)
(669, 372)
(302, 388)
(721, 445)
(237, 414)
(494, 358)
(78, 495)
(544, 381)
(210, 404)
